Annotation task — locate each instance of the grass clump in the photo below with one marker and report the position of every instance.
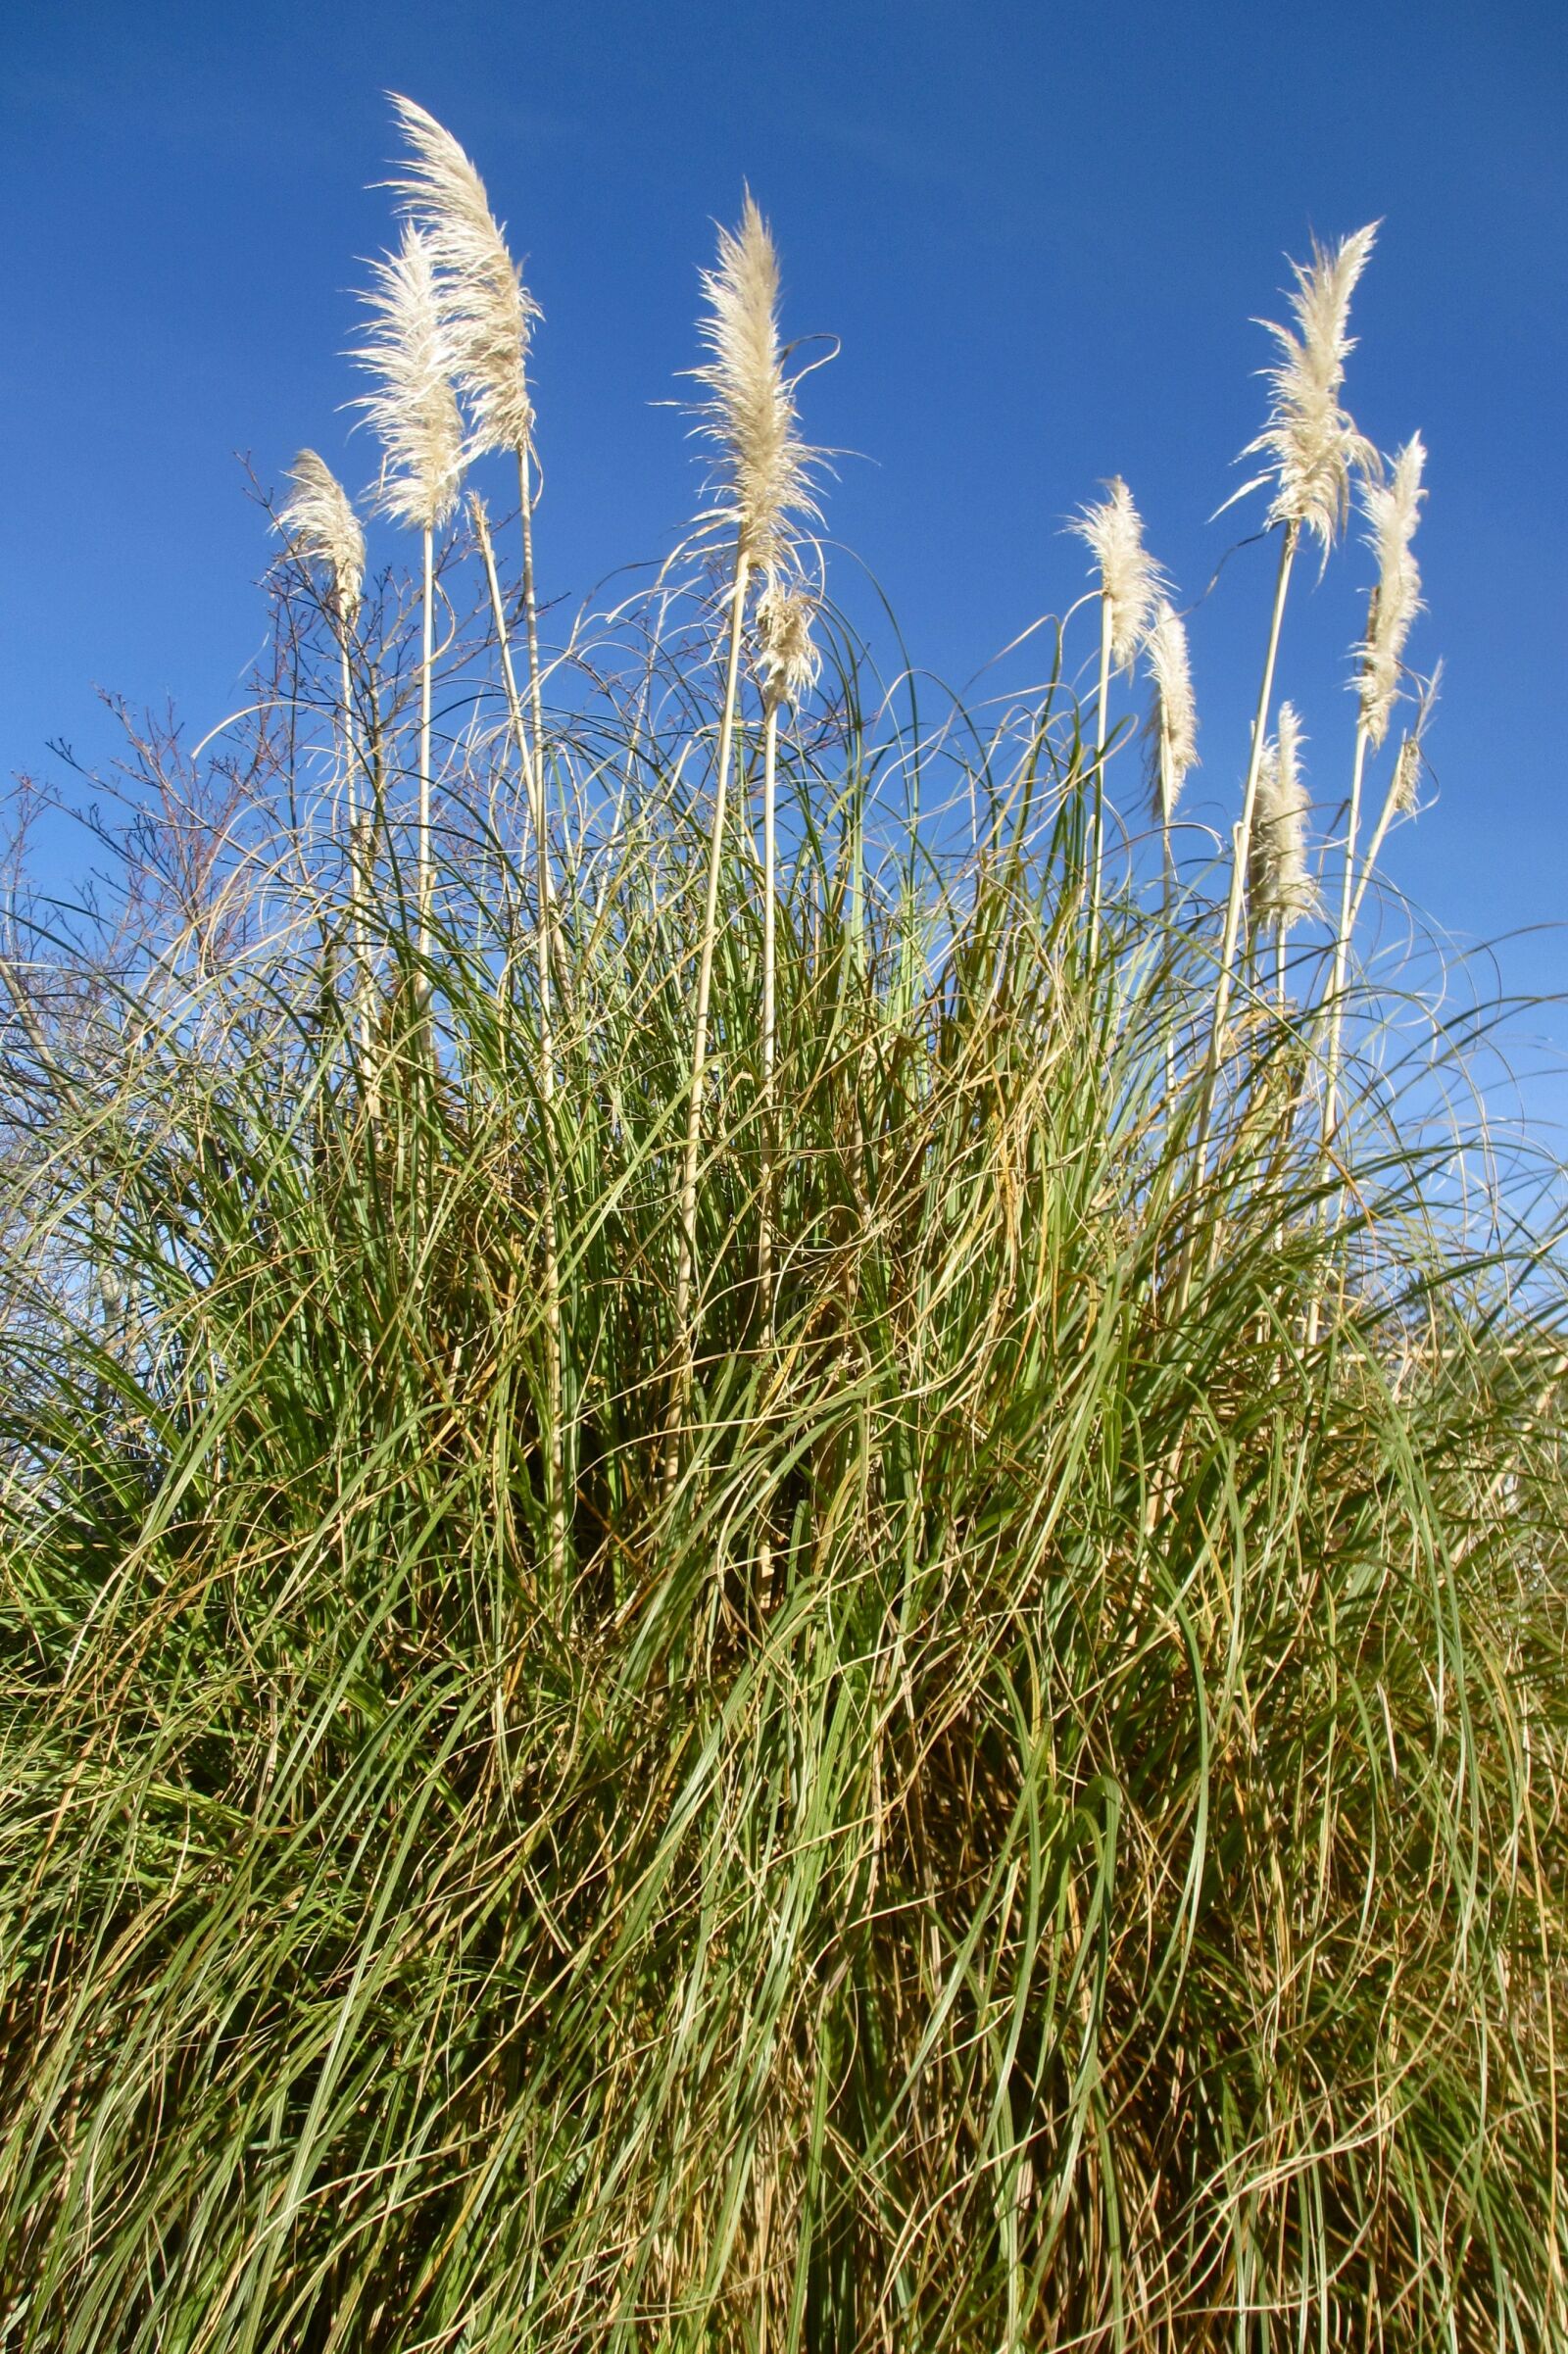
(936, 1724)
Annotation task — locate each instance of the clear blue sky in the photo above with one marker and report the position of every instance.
(1040, 231)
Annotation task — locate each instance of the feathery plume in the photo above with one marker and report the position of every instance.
(751, 412)
(1394, 510)
(487, 311)
(1130, 581)
(1282, 886)
(1311, 441)
(413, 409)
(1173, 722)
(1406, 781)
(790, 661)
(322, 530)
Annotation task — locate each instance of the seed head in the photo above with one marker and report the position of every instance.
(1394, 510)
(764, 467)
(1281, 887)
(487, 311)
(1173, 722)
(1130, 581)
(1311, 443)
(413, 409)
(322, 530)
(1405, 785)
(790, 661)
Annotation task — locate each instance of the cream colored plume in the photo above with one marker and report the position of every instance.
(751, 412)
(1394, 510)
(1130, 581)
(487, 310)
(1405, 784)
(413, 409)
(322, 530)
(790, 661)
(1282, 886)
(1173, 722)
(1311, 441)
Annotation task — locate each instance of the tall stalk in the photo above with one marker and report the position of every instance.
(423, 871)
(1131, 586)
(1097, 822)
(686, 1255)
(1242, 842)
(555, 1450)
(359, 828)
(1341, 946)
(769, 1049)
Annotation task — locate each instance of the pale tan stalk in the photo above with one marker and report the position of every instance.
(1394, 510)
(788, 668)
(1313, 448)
(1341, 946)
(549, 917)
(686, 1260)
(765, 1240)
(1097, 867)
(765, 478)
(531, 615)
(1390, 809)
(1131, 589)
(413, 409)
(1242, 842)
(555, 1500)
(323, 534)
(358, 881)
(488, 315)
(424, 872)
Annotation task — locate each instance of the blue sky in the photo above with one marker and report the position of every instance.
(1041, 233)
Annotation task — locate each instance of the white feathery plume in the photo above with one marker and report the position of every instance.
(322, 530)
(413, 409)
(1311, 441)
(790, 661)
(1403, 786)
(751, 412)
(1173, 722)
(487, 310)
(1130, 581)
(1394, 510)
(1282, 886)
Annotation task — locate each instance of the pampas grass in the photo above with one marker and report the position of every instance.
(488, 318)
(414, 412)
(322, 530)
(487, 313)
(1282, 891)
(323, 534)
(1403, 797)
(1131, 585)
(1047, 1829)
(790, 665)
(1173, 722)
(1312, 445)
(1394, 510)
(763, 491)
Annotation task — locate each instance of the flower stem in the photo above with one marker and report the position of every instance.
(556, 1504)
(686, 1260)
(1242, 842)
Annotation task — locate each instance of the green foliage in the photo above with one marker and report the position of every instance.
(1049, 1833)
